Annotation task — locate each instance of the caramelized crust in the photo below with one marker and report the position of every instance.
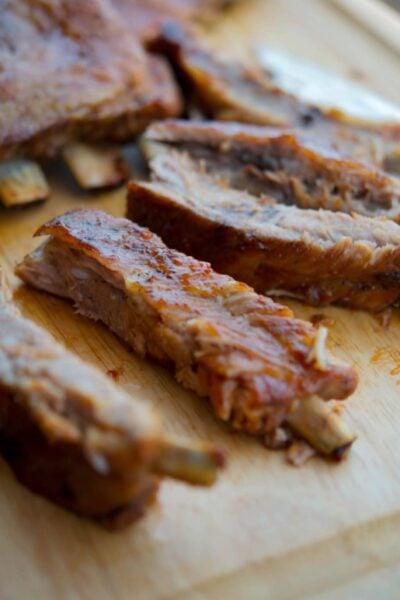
(248, 354)
(317, 256)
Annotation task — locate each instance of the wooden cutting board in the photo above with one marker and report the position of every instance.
(266, 530)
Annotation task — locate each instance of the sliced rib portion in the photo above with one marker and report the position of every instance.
(317, 256)
(224, 90)
(230, 91)
(68, 73)
(287, 164)
(70, 434)
(248, 354)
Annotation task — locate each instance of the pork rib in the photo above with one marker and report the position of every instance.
(286, 164)
(71, 435)
(317, 256)
(248, 354)
(67, 74)
(229, 91)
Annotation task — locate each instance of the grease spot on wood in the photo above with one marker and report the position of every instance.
(115, 374)
(389, 357)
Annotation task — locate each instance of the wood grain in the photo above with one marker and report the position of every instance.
(266, 530)
(382, 20)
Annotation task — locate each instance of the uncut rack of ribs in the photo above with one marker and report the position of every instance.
(229, 91)
(260, 367)
(317, 256)
(72, 435)
(289, 165)
(69, 75)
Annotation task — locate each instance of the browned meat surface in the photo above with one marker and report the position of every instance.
(286, 164)
(317, 256)
(70, 434)
(146, 17)
(230, 91)
(253, 359)
(67, 73)
(156, 97)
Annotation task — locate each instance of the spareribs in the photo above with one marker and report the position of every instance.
(71, 435)
(255, 361)
(230, 91)
(289, 165)
(68, 73)
(320, 256)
